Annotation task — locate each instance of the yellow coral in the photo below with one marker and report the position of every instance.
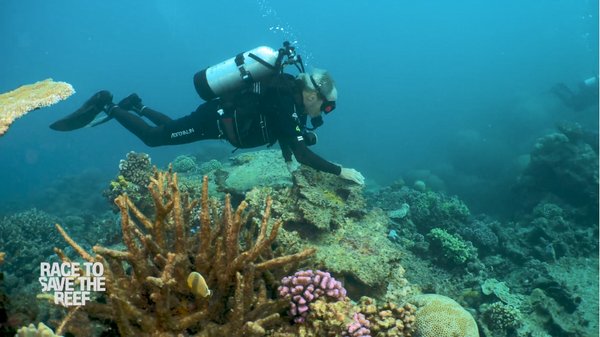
(333, 198)
(441, 316)
(31, 331)
(20, 101)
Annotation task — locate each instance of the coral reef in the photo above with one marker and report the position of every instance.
(563, 164)
(389, 319)
(359, 326)
(27, 250)
(428, 209)
(253, 169)
(184, 164)
(147, 292)
(501, 317)
(450, 249)
(325, 202)
(32, 331)
(18, 102)
(547, 234)
(481, 233)
(134, 176)
(501, 291)
(441, 316)
(306, 286)
(5, 329)
(326, 212)
(361, 252)
(136, 168)
(326, 318)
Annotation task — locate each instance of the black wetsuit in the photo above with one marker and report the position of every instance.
(250, 119)
(585, 97)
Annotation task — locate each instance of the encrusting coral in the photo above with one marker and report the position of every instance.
(146, 288)
(18, 102)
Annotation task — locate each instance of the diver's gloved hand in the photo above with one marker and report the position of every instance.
(353, 175)
(290, 166)
(132, 102)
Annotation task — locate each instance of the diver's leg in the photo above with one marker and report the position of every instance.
(156, 117)
(564, 94)
(150, 135)
(199, 125)
(134, 103)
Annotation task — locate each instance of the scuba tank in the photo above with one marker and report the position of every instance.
(244, 69)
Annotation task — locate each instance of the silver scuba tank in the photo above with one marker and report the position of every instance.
(236, 72)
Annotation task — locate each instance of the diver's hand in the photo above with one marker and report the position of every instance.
(353, 175)
(290, 166)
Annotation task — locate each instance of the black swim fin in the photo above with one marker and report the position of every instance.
(86, 114)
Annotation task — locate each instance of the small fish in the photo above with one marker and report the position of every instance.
(197, 284)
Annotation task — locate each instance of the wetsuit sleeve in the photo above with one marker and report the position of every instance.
(292, 141)
(305, 156)
(286, 151)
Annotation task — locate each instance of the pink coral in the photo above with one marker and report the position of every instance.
(359, 326)
(305, 286)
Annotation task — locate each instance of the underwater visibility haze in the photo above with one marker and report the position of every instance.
(475, 125)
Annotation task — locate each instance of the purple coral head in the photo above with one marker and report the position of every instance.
(305, 286)
(359, 326)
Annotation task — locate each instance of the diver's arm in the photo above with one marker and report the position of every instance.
(306, 157)
(286, 151)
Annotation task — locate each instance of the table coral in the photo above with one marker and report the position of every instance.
(147, 293)
(18, 102)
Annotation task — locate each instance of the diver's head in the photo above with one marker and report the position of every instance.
(318, 92)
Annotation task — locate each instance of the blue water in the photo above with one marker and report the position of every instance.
(459, 88)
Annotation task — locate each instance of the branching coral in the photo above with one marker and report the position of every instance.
(147, 293)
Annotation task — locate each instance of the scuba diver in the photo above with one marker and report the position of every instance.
(586, 96)
(250, 102)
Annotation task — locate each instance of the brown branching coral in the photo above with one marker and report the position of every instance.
(147, 293)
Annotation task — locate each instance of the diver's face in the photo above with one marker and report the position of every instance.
(312, 103)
